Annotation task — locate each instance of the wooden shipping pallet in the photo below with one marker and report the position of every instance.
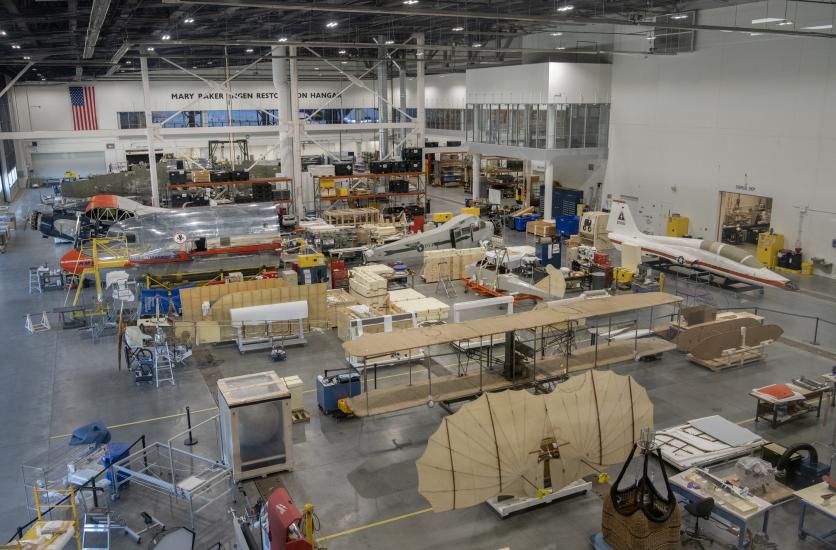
(300, 416)
(735, 359)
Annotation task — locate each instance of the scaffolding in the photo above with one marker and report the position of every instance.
(186, 477)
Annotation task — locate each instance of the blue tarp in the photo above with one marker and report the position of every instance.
(148, 300)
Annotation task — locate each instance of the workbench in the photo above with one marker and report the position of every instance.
(768, 408)
(811, 499)
(680, 486)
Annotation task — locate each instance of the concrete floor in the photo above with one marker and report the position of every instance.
(357, 472)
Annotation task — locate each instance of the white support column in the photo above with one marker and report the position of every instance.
(477, 174)
(402, 90)
(382, 97)
(548, 185)
(358, 151)
(551, 111)
(420, 117)
(298, 199)
(281, 82)
(149, 132)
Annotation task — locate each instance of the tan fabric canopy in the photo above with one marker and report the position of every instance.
(384, 343)
(497, 444)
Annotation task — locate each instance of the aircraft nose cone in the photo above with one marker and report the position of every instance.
(74, 262)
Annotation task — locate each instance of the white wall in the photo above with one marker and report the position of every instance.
(540, 83)
(743, 113)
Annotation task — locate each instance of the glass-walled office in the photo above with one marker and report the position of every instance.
(538, 125)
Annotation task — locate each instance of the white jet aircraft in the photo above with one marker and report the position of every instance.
(718, 258)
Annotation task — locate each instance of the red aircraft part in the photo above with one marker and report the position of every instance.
(281, 514)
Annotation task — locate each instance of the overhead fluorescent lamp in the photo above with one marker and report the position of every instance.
(818, 28)
(767, 20)
(331, 24)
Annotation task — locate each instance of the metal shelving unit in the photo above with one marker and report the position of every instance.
(358, 188)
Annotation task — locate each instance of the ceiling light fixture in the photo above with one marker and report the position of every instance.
(188, 20)
(282, 39)
(166, 37)
(679, 16)
(331, 24)
(557, 34)
(767, 20)
(567, 7)
(818, 28)
(249, 50)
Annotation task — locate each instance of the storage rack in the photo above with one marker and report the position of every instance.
(495, 166)
(352, 184)
(214, 184)
(452, 170)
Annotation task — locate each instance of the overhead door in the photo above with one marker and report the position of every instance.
(53, 165)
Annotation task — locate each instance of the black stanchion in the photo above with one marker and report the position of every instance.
(191, 440)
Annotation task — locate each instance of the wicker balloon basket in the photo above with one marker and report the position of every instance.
(636, 532)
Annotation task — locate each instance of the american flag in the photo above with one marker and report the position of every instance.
(83, 101)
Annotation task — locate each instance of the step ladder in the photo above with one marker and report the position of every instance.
(35, 280)
(95, 533)
(163, 365)
(41, 325)
(445, 282)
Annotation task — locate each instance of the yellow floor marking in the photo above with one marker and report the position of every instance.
(143, 421)
(375, 524)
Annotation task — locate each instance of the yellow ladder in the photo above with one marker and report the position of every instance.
(70, 492)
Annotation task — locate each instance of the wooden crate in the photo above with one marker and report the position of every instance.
(404, 295)
(540, 228)
(425, 309)
(336, 298)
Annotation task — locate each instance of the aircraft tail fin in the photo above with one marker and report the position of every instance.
(621, 219)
